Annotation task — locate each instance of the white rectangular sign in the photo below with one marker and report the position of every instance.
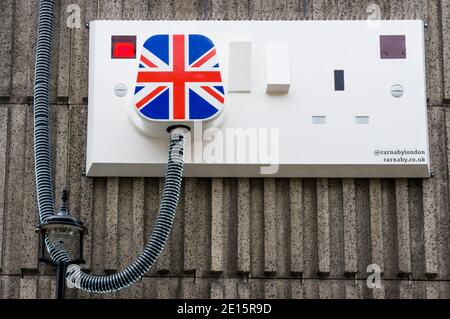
(348, 99)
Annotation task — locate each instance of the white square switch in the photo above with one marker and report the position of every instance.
(277, 67)
(239, 72)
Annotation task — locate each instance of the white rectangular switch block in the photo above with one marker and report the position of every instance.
(277, 67)
(320, 129)
(239, 67)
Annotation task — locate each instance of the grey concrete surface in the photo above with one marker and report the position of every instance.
(232, 238)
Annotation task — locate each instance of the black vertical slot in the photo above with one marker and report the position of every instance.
(339, 80)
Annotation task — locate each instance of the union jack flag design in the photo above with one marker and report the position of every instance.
(179, 78)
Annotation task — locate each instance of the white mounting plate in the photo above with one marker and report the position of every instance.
(394, 143)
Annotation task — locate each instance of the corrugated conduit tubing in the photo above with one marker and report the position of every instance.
(44, 179)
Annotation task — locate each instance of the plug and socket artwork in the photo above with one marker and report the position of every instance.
(262, 98)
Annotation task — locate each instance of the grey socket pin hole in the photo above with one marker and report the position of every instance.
(397, 90)
(120, 90)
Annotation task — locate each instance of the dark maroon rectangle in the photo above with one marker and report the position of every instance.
(392, 47)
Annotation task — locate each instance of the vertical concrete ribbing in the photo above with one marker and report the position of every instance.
(163, 262)
(24, 35)
(244, 227)
(270, 235)
(445, 9)
(64, 45)
(430, 203)
(10, 287)
(28, 288)
(137, 243)
(135, 10)
(80, 187)
(6, 43)
(190, 217)
(125, 223)
(60, 150)
(13, 190)
(78, 90)
(243, 290)
(217, 290)
(187, 288)
(4, 121)
(112, 202)
(376, 223)
(296, 225)
(434, 45)
(350, 227)
(203, 225)
(403, 229)
(29, 238)
(323, 226)
(310, 228)
(217, 226)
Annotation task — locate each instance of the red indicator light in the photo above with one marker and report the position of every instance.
(123, 50)
(123, 47)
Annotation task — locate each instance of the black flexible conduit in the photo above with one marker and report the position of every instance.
(44, 178)
(41, 111)
(42, 154)
(160, 232)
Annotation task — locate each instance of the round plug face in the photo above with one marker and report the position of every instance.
(178, 79)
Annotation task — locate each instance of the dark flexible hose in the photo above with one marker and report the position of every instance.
(42, 153)
(44, 177)
(160, 232)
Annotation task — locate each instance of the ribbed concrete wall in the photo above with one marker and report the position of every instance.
(293, 238)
